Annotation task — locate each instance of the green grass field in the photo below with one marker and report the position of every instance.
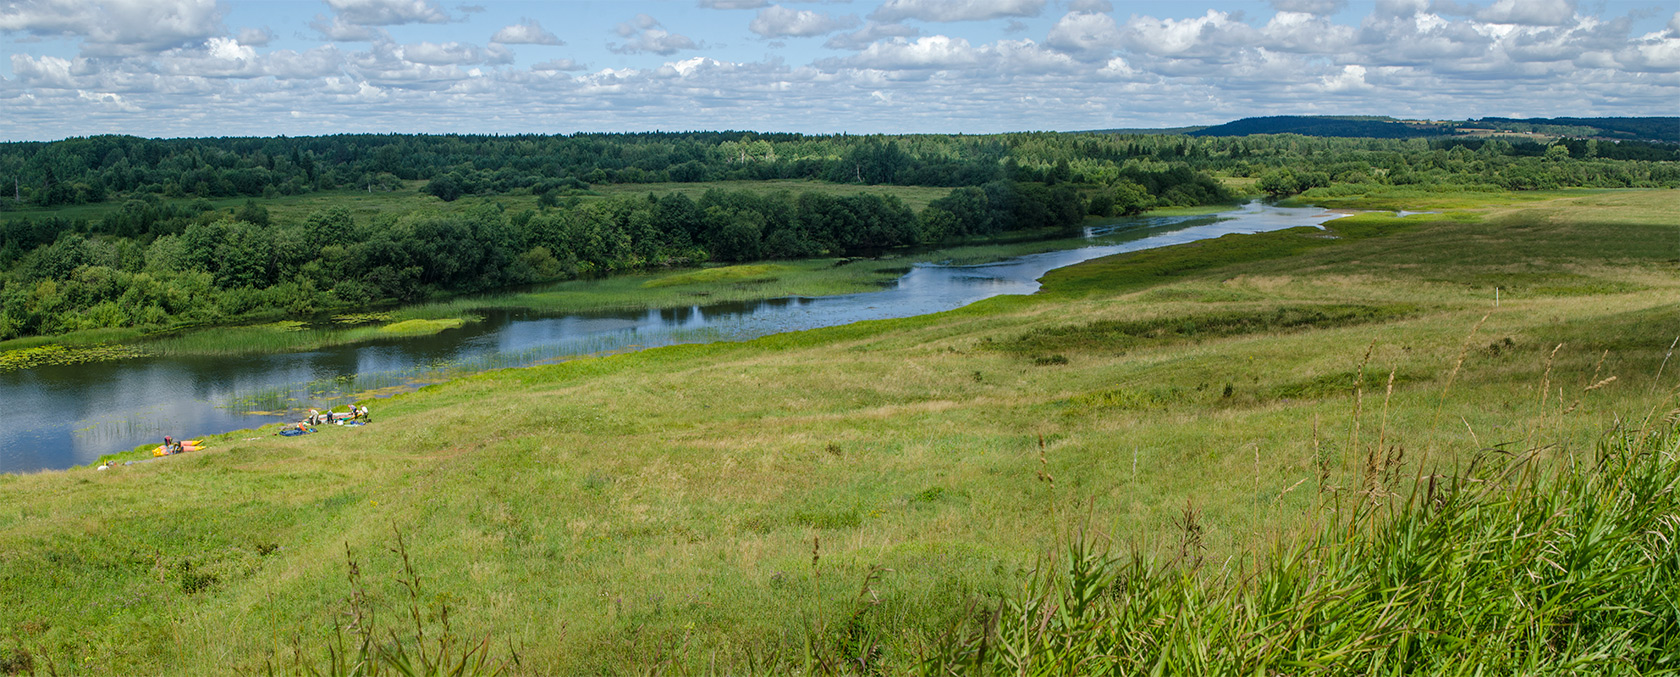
(861, 495)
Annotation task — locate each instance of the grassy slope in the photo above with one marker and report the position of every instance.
(659, 508)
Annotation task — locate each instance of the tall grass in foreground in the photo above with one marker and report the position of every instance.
(1522, 564)
(421, 643)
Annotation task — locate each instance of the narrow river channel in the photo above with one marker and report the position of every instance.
(62, 416)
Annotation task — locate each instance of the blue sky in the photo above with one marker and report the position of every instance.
(223, 67)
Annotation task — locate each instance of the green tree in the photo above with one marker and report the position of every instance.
(1278, 183)
(1130, 198)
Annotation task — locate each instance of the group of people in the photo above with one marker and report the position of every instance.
(316, 417)
(330, 417)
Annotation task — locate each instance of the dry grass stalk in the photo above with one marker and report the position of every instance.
(1048, 479)
(1388, 394)
(1358, 398)
(1599, 384)
(1256, 447)
(1377, 459)
(1190, 541)
(1664, 365)
(1285, 492)
(1598, 367)
(1452, 377)
(1319, 459)
(816, 583)
(1545, 391)
(1463, 352)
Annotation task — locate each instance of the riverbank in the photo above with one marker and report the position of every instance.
(751, 505)
(658, 289)
(207, 392)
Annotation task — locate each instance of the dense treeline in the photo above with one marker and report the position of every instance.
(165, 256)
(96, 169)
(156, 264)
(1357, 166)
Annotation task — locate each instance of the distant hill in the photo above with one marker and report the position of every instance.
(1644, 129)
(1312, 125)
(1659, 129)
(1146, 131)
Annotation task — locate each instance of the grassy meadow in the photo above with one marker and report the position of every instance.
(881, 497)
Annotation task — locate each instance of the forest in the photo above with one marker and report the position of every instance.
(160, 255)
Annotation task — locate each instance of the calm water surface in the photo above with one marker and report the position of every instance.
(63, 416)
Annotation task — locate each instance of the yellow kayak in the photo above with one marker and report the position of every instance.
(186, 445)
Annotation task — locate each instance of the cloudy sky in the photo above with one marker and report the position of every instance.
(227, 67)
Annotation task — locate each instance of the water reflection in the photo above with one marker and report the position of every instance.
(57, 417)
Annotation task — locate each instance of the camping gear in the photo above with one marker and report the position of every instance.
(186, 445)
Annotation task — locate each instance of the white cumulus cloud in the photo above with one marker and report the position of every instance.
(97, 66)
(645, 34)
(557, 66)
(337, 30)
(869, 34)
(1309, 6)
(777, 21)
(116, 27)
(388, 12)
(931, 52)
(1529, 12)
(526, 32)
(1090, 35)
(1213, 32)
(255, 37)
(955, 10)
(47, 71)
(453, 54)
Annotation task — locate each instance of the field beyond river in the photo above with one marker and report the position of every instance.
(967, 491)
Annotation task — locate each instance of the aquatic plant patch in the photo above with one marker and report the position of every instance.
(421, 327)
(355, 319)
(55, 354)
(755, 273)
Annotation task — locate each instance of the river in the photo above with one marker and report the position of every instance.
(58, 417)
